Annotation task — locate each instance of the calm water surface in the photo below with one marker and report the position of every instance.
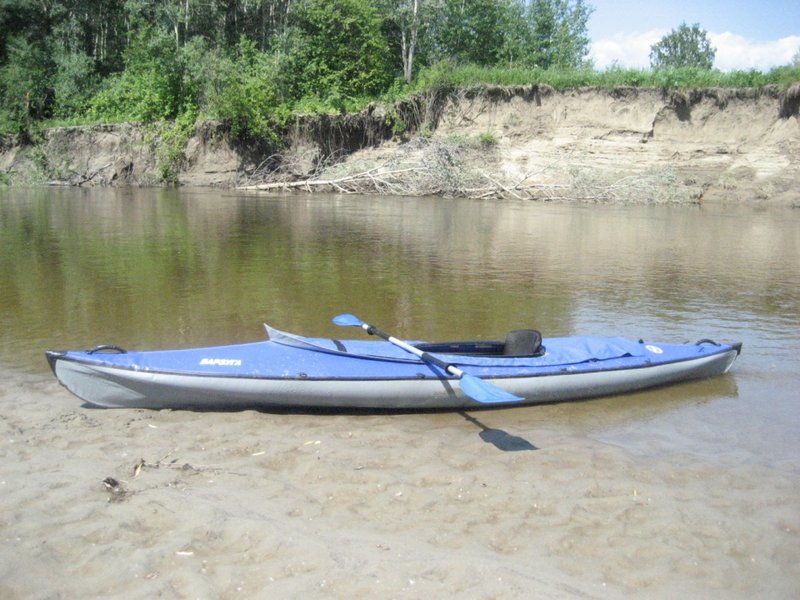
(176, 268)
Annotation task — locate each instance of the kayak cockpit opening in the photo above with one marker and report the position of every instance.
(521, 342)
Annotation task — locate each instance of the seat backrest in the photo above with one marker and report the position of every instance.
(523, 342)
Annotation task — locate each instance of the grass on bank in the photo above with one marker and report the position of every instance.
(446, 75)
(443, 75)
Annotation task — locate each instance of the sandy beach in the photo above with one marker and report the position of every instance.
(516, 503)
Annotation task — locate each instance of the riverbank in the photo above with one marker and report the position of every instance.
(139, 504)
(531, 142)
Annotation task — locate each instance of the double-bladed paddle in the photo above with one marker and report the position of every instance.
(474, 387)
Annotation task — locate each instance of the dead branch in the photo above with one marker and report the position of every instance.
(375, 179)
(446, 167)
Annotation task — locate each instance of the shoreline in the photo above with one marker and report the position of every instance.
(225, 504)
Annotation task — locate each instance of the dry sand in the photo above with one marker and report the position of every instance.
(249, 504)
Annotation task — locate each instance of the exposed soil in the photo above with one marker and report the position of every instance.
(532, 142)
(627, 144)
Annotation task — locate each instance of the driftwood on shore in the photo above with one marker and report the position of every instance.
(447, 168)
(377, 180)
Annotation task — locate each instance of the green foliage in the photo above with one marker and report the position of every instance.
(399, 126)
(445, 75)
(74, 83)
(339, 50)
(471, 32)
(487, 139)
(333, 104)
(683, 47)
(438, 76)
(254, 63)
(149, 89)
(174, 137)
(545, 33)
(24, 92)
(557, 34)
(251, 94)
(126, 97)
(784, 76)
(206, 71)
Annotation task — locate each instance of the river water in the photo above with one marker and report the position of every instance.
(174, 268)
(158, 268)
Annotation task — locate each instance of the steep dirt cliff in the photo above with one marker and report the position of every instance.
(627, 144)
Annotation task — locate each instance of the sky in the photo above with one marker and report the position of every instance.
(747, 34)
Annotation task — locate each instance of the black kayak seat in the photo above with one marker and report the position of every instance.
(523, 342)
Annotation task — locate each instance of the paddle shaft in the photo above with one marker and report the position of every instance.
(472, 386)
(425, 356)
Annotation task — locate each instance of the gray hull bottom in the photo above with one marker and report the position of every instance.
(124, 388)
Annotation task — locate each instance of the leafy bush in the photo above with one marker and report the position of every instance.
(149, 89)
(174, 137)
(438, 76)
(785, 76)
(253, 96)
(487, 139)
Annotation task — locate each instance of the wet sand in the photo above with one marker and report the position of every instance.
(521, 503)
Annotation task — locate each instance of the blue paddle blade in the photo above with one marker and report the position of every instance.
(485, 392)
(347, 320)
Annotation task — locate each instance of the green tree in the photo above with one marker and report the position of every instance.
(74, 82)
(25, 94)
(558, 33)
(470, 31)
(207, 72)
(683, 47)
(537, 33)
(406, 22)
(91, 28)
(339, 49)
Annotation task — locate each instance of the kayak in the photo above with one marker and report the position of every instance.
(295, 372)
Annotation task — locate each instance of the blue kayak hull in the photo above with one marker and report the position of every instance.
(294, 372)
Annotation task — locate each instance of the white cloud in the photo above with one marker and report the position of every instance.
(627, 50)
(734, 52)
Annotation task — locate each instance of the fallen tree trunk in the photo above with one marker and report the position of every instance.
(378, 179)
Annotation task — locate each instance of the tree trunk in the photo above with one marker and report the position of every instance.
(408, 46)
